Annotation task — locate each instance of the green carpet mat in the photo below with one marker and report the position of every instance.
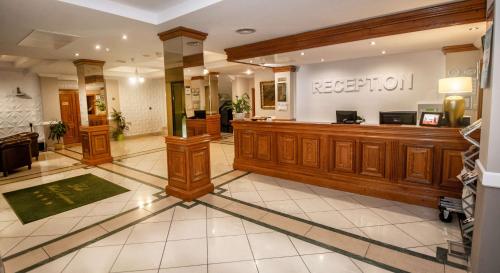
(45, 200)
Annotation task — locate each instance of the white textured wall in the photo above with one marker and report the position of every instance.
(135, 101)
(16, 112)
(427, 68)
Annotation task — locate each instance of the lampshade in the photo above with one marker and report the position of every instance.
(455, 85)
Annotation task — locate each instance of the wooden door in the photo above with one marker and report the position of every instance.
(70, 115)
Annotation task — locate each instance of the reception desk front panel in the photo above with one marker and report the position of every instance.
(404, 163)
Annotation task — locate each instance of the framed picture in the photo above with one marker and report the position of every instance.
(282, 92)
(468, 102)
(267, 96)
(485, 71)
(430, 119)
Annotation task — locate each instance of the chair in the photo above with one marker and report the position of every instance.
(34, 141)
(14, 153)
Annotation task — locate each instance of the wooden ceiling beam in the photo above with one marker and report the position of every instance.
(444, 15)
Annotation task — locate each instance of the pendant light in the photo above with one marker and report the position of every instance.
(135, 78)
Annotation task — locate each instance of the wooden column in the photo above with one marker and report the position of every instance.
(188, 166)
(95, 130)
(284, 82)
(95, 144)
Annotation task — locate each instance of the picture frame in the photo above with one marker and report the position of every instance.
(431, 119)
(282, 92)
(267, 95)
(468, 102)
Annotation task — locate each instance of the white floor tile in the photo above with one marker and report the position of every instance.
(239, 267)
(305, 248)
(252, 228)
(118, 238)
(188, 229)
(368, 268)
(95, 260)
(165, 216)
(274, 195)
(224, 226)
(396, 215)
(6, 244)
(29, 242)
(247, 196)
(56, 226)
(363, 217)
(138, 257)
(197, 212)
(343, 202)
(426, 233)
(330, 263)
(185, 253)
(282, 265)
(228, 249)
(271, 245)
(188, 269)
(372, 202)
(55, 266)
(149, 232)
(285, 206)
(330, 218)
(391, 235)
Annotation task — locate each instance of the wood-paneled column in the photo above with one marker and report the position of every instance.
(285, 82)
(94, 131)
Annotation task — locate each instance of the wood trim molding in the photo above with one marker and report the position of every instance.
(182, 32)
(87, 61)
(490, 13)
(193, 60)
(288, 68)
(438, 16)
(198, 78)
(458, 48)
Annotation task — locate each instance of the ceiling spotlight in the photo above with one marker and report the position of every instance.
(473, 28)
(124, 37)
(107, 49)
(302, 53)
(245, 31)
(251, 61)
(97, 47)
(205, 71)
(322, 60)
(383, 52)
(248, 72)
(372, 43)
(77, 54)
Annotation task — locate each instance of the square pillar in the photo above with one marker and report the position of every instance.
(285, 82)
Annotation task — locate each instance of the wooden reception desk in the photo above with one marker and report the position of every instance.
(405, 163)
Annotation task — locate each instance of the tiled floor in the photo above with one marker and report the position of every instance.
(15, 237)
(131, 145)
(408, 226)
(200, 240)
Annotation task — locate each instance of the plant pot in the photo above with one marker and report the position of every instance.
(120, 137)
(239, 116)
(58, 146)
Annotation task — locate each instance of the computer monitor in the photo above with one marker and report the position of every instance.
(200, 114)
(346, 116)
(401, 117)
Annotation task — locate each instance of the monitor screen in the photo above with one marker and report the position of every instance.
(200, 114)
(346, 116)
(403, 117)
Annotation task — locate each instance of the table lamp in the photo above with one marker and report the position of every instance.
(454, 105)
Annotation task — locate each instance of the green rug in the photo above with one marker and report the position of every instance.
(45, 200)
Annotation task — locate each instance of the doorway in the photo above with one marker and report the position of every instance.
(178, 106)
(70, 115)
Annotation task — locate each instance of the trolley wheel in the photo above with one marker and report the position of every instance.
(445, 216)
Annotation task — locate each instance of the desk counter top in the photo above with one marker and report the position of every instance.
(413, 164)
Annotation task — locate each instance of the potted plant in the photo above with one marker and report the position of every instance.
(121, 125)
(101, 106)
(241, 106)
(57, 131)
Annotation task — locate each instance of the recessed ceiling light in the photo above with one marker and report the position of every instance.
(97, 47)
(322, 60)
(372, 43)
(77, 54)
(193, 43)
(205, 71)
(383, 52)
(124, 37)
(107, 49)
(302, 53)
(248, 72)
(473, 28)
(251, 61)
(245, 31)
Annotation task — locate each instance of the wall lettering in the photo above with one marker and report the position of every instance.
(368, 83)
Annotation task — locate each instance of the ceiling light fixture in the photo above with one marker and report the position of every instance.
(124, 37)
(251, 61)
(205, 71)
(97, 47)
(383, 52)
(107, 49)
(373, 43)
(135, 78)
(248, 72)
(322, 60)
(473, 28)
(302, 53)
(77, 54)
(245, 31)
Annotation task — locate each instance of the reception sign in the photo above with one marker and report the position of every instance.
(366, 83)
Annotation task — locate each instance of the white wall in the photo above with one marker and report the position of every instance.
(427, 68)
(135, 101)
(17, 112)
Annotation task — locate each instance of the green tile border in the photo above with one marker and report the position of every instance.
(50, 259)
(372, 241)
(130, 177)
(308, 240)
(137, 170)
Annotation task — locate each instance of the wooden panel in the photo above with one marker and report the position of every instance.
(418, 167)
(264, 146)
(200, 164)
(372, 158)
(177, 168)
(458, 48)
(287, 149)
(95, 145)
(452, 166)
(182, 32)
(309, 148)
(438, 16)
(342, 155)
(100, 144)
(247, 145)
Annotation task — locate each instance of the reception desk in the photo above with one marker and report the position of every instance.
(209, 125)
(410, 164)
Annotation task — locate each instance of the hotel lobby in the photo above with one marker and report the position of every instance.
(225, 136)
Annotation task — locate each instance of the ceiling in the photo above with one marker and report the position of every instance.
(141, 20)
